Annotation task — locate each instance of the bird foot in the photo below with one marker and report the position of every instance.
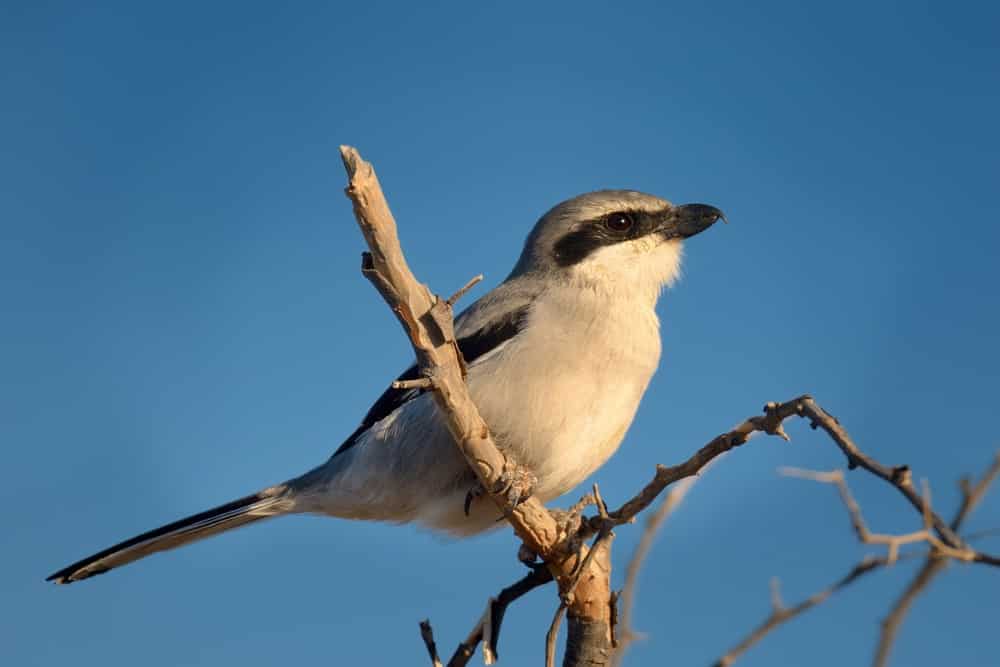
(515, 483)
(475, 493)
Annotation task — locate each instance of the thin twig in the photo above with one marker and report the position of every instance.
(582, 504)
(427, 634)
(418, 383)
(453, 299)
(899, 476)
(864, 535)
(935, 564)
(552, 634)
(971, 497)
(936, 560)
(770, 422)
(777, 604)
(495, 610)
(781, 614)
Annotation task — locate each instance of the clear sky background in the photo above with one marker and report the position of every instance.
(183, 320)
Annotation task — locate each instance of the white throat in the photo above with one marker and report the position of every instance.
(640, 268)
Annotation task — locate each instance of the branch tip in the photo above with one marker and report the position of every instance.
(453, 299)
(351, 159)
(427, 634)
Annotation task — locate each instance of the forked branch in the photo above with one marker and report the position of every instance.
(937, 557)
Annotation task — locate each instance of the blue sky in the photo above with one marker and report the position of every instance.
(184, 320)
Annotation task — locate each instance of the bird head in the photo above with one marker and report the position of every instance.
(614, 239)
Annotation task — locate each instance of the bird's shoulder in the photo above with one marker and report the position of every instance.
(507, 302)
(494, 319)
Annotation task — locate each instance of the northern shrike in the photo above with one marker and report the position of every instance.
(558, 355)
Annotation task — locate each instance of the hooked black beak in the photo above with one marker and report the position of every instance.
(687, 220)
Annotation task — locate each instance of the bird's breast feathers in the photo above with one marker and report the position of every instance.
(568, 385)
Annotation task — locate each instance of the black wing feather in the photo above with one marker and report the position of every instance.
(473, 346)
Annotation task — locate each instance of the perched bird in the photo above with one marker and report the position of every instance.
(559, 356)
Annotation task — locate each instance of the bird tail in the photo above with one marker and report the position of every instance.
(267, 503)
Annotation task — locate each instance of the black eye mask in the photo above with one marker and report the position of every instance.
(607, 230)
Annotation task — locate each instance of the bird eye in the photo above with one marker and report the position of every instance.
(619, 222)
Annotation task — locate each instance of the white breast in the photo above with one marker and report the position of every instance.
(561, 395)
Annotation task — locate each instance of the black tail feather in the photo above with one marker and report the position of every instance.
(224, 517)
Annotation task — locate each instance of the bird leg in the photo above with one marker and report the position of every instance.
(475, 493)
(515, 483)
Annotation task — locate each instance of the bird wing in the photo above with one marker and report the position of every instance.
(482, 328)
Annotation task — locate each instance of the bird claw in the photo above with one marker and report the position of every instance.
(474, 493)
(515, 484)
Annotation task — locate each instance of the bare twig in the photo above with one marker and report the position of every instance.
(770, 422)
(936, 560)
(427, 634)
(971, 496)
(898, 476)
(453, 299)
(935, 564)
(932, 567)
(865, 536)
(781, 614)
(552, 634)
(582, 504)
(418, 383)
(493, 617)
(777, 604)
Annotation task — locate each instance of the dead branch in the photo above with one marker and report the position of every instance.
(934, 565)
(899, 476)
(864, 535)
(781, 614)
(427, 634)
(972, 495)
(770, 422)
(493, 617)
(552, 635)
(936, 560)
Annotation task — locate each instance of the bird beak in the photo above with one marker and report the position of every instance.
(684, 221)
